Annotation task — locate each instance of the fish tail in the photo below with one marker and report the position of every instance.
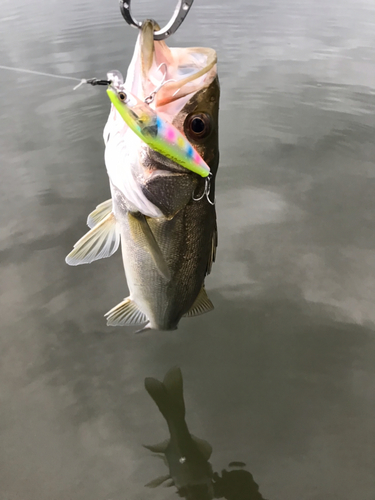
(168, 395)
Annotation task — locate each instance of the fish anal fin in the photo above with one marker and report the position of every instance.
(201, 305)
(158, 448)
(204, 447)
(158, 481)
(126, 313)
(100, 242)
(100, 212)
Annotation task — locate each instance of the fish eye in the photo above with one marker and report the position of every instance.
(122, 96)
(198, 126)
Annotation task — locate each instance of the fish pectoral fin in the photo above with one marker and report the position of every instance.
(158, 481)
(100, 212)
(201, 305)
(100, 242)
(204, 447)
(126, 313)
(151, 244)
(157, 448)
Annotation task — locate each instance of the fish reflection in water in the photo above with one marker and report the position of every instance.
(187, 457)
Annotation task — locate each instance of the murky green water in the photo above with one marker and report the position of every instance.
(281, 375)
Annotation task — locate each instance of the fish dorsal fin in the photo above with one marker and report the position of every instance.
(100, 242)
(204, 447)
(150, 243)
(100, 212)
(158, 448)
(158, 481)
(126, 313)
(201, 305)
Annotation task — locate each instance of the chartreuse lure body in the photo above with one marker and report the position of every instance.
(160, 135)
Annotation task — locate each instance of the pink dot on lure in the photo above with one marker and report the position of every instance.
(170, 134)
(197, 158)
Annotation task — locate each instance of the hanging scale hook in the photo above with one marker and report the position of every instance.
(171, 27)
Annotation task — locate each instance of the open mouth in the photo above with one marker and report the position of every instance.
(155, 163)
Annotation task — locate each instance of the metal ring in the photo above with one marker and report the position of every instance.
(171, 27)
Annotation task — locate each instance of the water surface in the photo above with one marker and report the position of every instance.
(281, 375)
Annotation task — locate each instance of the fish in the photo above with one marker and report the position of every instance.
(161, 214)
(186, 456)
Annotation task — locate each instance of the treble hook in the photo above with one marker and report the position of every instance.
(171, 27)
(206, 192)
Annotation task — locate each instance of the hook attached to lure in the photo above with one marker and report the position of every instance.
(206, 192)
(171, 27)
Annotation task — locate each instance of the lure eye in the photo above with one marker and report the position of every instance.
(198, 126)
(122, 96)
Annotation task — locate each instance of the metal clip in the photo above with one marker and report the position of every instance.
(95, 81)
(171, 27)
(207, 190)
(92, 81)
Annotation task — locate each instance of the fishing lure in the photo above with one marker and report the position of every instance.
(160, 135)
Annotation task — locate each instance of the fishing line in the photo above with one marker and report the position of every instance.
(22, 70)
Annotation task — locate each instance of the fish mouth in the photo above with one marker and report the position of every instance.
(176, 73)
(155, 164)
